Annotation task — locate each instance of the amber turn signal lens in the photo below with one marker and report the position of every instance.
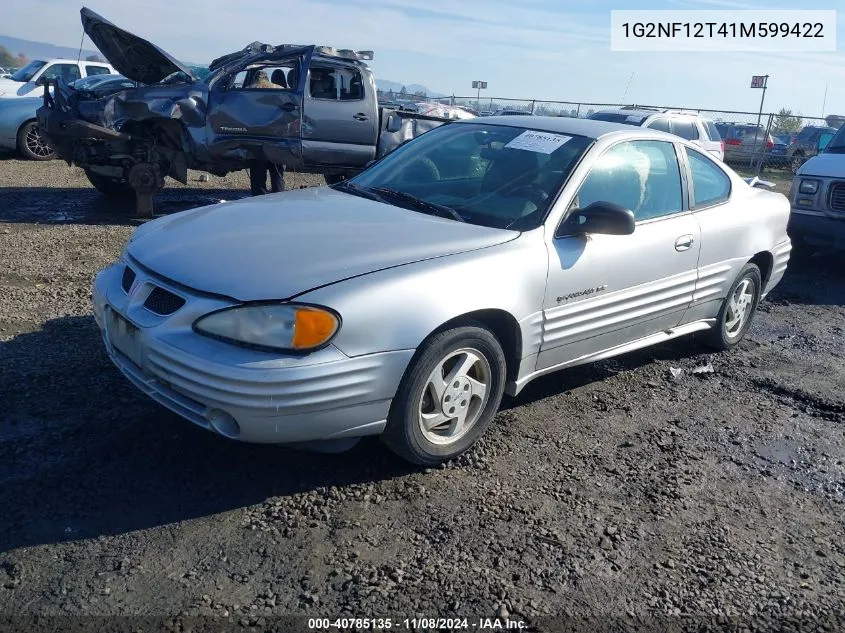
(313, 327)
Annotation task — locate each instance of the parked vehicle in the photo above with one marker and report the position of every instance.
(805, 145)
(19, 128)
(29, 80)
(818, 194)
(318, 113)
(744, 142)
(778, 157)
(688, 125)
(404, 301)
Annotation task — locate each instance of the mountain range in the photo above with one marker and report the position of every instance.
(42, 50)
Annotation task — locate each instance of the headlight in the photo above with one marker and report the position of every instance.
(280, 326)
(808, 186)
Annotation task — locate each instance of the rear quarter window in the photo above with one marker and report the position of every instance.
(710, 185)
(685, 128)
(96, 70)
(712, 131)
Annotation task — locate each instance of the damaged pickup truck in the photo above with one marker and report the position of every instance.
(312, 108)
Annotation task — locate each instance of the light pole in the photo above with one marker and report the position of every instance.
(759, 81)
(479, 85)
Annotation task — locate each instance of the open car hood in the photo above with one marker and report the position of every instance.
(133, 57)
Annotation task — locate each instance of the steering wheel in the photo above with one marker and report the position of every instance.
(534, 194)
(422, 169)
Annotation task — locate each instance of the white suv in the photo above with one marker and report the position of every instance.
(29, 80)
(688, 125)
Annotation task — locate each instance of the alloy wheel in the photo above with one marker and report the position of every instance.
(455, 395)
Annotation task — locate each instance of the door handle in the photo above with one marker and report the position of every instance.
(360, 116)
(684, 242)
(289, 107)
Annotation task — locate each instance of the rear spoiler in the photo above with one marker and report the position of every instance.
(760, 184)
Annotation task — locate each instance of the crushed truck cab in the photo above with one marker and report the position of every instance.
(312, 108)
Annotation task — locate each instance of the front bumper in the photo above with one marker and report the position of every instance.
(818, 228)
(270, 397)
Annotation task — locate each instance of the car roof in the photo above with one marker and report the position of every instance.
(646, 112)
(569, 125)
(70, 61)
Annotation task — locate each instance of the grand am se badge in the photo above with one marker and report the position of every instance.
(582, 293)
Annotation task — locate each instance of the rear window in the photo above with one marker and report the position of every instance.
(712, 131)
(618, 117)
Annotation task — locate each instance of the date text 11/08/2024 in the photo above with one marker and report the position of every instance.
(385, 624)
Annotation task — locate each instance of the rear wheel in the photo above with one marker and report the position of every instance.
(33, 144)
(738, 309)
(448, 397)
(108, 185)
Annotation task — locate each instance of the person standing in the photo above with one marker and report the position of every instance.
(259, 168)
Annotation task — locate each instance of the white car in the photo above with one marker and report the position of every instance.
(29, 80)
(688, 125)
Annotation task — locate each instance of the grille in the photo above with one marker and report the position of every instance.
(837, 196)
(128, 278)
(163, 302)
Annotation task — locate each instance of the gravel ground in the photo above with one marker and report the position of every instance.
(618, 490)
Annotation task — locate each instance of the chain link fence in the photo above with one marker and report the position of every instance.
(753, 142)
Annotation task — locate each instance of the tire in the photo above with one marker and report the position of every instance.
(116, 187)
(727, 333)
(423, 431)
(33, 144)
(333, 179)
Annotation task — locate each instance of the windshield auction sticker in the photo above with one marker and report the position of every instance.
(540, 142)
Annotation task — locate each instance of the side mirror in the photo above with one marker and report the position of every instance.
(601, 217)
(823, 141)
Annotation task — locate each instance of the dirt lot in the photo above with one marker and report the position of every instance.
(613, 491)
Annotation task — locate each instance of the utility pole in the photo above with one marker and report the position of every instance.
(824, 101)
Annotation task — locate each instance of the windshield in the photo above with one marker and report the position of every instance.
(837, 143)
(27, 72)
(493, 175)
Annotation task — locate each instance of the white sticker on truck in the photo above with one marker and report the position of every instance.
(540, 142)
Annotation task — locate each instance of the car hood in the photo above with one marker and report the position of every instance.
(9, 89)
(825, 165)
(277, 246)
(131, 56)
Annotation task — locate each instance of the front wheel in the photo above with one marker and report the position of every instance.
(109, 186)
(448, 396)
(738, 309)
(33, 144)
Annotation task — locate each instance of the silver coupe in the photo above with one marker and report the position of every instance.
(407, 300)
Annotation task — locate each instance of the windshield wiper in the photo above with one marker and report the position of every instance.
(418, 203)
(355, 190)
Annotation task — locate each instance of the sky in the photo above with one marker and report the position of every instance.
(540, 49)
